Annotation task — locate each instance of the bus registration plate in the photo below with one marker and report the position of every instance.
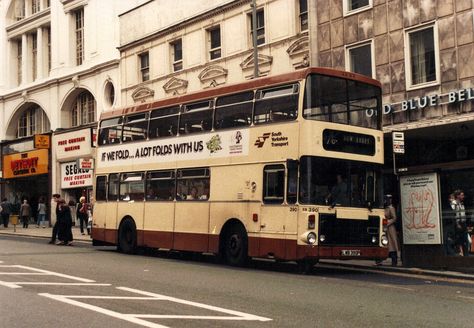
(350, 252)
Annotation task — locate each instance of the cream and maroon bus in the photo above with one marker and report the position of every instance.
(285, 167)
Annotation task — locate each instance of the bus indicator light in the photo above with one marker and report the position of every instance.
(311, 221)
(255, 217)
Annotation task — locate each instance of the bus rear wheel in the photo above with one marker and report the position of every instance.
(236, 246)
(127, 237)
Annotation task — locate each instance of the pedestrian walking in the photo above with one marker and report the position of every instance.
(55, 205)
(64, 220)
(41, 213)
(5, 212)
(25, 213)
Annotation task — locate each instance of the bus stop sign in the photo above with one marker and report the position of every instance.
(398, 141)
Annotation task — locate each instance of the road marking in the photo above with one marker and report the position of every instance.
(139, 319)
(60, 283)
(396, 287)
(40, 272)
(243, 315)
(103, 311)
(24, 274)
(466, 297)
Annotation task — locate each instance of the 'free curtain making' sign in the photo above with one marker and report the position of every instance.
(204, 146)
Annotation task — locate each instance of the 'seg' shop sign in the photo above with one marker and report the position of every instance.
(74, 177)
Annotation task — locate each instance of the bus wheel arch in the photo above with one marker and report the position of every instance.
(233, 243)
(127, 236)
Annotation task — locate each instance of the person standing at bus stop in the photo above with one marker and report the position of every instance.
(391, 217)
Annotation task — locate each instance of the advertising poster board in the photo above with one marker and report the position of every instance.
(420, 209)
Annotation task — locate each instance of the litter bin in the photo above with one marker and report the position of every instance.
(14, 219)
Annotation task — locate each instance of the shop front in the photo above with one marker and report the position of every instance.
(25, 175)
(434, 181)
(72, 149)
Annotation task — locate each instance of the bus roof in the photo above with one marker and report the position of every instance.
(237, 87)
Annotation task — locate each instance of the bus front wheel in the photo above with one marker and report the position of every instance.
(127, 238)
(236, 246)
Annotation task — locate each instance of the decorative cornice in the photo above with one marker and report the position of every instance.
(212, 72)
(262, 60)
(299, 46)
(142, 94)
(175, 85)
(29, 23)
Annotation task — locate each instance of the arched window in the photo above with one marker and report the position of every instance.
(83, 111)
(32, 121)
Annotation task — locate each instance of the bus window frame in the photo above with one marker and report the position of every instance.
(123, 181)
(106, 184)
(274, 200)
(264, 95)
(171, 177)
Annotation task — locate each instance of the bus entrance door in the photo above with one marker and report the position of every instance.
(278, 231)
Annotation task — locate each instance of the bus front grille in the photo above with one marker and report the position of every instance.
(341, 232)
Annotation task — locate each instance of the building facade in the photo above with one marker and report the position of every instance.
(165, 57)
(60, 71)
(421, 52)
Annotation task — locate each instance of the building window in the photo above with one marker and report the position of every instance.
(35, 6)
(83, 111)
(19, 59)
(214, 36)
(422, 59)
(303, 15)
(48, 35)
(144, 66)
(32, 121)
(355, 5)
(34, 57)
(19, 9)
(79, 32)
(360, 59)
(177, 55)
(260, 27)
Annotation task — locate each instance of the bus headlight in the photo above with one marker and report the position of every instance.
(374, 240)
(384, 240)
(311, 238)
(322, 238)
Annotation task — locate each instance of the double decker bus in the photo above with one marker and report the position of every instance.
(285, 167)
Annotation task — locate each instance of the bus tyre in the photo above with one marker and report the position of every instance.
(236, 246)
(127, 238)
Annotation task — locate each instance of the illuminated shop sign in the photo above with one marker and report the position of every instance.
(452, 97)
(25, 164)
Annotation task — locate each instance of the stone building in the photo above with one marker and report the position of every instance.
(174, 54)
(59, 71)
(421, 51)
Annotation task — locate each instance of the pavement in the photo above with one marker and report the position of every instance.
(364, 265)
